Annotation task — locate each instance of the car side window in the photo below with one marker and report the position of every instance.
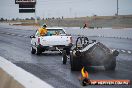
(56, 31)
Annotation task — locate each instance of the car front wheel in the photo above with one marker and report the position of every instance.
(64, 58)
(33, 51)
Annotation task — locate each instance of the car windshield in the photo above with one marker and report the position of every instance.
(56, 31)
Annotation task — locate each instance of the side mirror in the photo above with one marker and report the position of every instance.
(32, 36)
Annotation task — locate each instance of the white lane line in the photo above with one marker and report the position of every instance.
(8, 33)
(20, 35)
(123, 51)
(25, 36)
(129, 52)
(13, 34)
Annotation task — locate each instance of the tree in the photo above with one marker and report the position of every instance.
(53, 18)
(32, 18)
(17, 18)
(38, 18)
(62, 17)
(2, 19)
(26, 18)
(12, 19)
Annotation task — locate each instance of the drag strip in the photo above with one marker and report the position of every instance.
(13, 34)
(49, 67)
(27, 36)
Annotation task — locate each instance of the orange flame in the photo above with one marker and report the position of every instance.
(84, 73)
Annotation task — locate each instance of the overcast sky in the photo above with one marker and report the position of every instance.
(67, 8)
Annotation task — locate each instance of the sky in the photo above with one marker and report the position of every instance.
(67, 8)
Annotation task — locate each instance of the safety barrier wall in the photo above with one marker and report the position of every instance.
(12, 76)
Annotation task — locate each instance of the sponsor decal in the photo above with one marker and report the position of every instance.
(84, 79)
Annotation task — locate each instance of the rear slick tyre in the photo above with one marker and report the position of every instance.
(75, 63)
(110, 66)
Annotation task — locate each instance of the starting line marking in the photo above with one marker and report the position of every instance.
(129, 52)
(124, 51)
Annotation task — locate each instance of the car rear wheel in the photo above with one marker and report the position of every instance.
(111, 65)
(38, 51)
(75, 62)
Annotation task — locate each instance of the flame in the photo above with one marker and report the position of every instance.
(84, 73)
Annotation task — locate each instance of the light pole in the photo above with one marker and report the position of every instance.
(117, 8)
(35, 13)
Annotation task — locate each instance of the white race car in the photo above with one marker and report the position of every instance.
(56, 39)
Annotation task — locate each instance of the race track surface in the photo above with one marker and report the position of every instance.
(15, 47)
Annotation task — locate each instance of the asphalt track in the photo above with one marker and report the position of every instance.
(15, 47)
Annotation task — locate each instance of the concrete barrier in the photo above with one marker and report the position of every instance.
(12, 76)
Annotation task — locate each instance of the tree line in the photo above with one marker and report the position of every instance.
(31, 18)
